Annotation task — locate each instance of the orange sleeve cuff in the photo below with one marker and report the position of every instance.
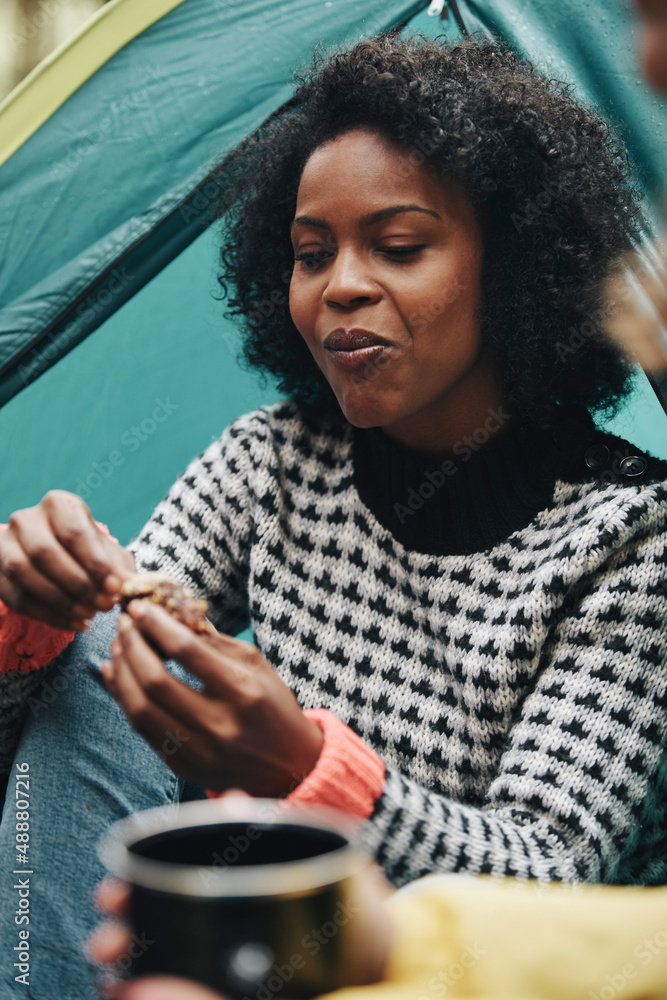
(348, 774)
(26, 644)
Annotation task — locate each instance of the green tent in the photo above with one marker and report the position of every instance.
(116, 365)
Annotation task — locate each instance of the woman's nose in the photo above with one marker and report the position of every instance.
(350, 279)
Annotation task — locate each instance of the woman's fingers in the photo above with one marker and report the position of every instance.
(245, 729)
(46, 553)
(56, 565)
(162, 730)
(32, 592)
(75, 529)
(159, 686)
(221, 662)
(16, 600)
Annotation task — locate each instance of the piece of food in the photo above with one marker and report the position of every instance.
(178, 600)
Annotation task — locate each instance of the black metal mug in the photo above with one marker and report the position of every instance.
(252, 897)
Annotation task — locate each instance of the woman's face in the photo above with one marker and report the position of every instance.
(387, 251)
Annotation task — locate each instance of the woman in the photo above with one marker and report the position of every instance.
(444, 563)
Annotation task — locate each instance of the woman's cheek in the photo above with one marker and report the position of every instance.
(417, 322)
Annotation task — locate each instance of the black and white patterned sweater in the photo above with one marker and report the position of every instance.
(494, 631)
(510, 666)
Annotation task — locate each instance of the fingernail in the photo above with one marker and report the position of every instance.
(137, 609)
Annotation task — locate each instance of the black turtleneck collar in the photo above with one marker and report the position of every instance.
(490, 487)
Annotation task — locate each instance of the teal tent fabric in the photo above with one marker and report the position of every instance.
(113, 185)
(111, 388)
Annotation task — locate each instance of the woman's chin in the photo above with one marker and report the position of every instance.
(360, 415)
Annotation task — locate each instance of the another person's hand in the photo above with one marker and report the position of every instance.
(244, 729)
(109, 946)
(57, 566)
(110, 942)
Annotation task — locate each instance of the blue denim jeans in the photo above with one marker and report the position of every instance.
(87, 768)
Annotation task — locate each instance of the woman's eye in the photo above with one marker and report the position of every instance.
(310, 260)
(403, 251)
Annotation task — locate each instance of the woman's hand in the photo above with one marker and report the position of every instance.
(245, 729)
(57, 566)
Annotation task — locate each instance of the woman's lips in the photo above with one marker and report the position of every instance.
(351, 361)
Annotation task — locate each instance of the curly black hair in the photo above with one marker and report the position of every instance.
(549, 181)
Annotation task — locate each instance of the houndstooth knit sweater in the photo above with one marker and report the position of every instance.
(496, 631)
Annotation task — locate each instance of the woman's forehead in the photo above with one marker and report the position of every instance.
(364, 171)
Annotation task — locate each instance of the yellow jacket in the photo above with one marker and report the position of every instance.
(464, 936)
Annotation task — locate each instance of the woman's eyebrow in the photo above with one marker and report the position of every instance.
(365, 220)
(387, 213)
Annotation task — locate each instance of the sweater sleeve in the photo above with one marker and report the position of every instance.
(27, 647)
(348, 775)
(200, 533)
(584, 767)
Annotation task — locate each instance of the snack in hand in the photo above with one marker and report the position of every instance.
(178, 600)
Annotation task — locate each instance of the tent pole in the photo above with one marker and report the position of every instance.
(454, 7)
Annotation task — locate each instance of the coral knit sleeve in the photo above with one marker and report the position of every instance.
(348, 775)
(26, 644)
